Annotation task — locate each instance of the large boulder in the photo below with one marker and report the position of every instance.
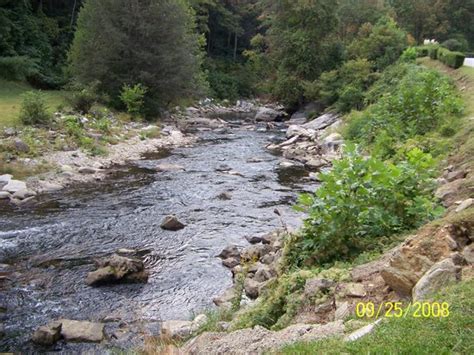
(440, 275)
(13, 186)
(295, 130)
(172, 223)
(225, 300)
(267, 114)
(81, 331)
(176, 329)
(419, 253)
(322, 122)
(230, 251)
(118, 269)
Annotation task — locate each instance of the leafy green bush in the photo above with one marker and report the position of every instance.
(344, 88)
(361, 201)
(409, 55)
(422, 51)
(452, 59)
(422, 101)
(133, 97)
(382, 44)
(33, 109)
(433, 51)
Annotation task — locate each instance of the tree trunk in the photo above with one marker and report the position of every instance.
(73, 11)
(235, 46)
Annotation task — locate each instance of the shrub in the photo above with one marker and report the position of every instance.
(133, 97)
(409, 55)
(361, 201)
(454, 45)
(33, 109)
(422, 51)
(421, 102)
(433, 51)
(82, 99)
(454, 60)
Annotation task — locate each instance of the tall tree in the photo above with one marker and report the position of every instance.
(151, 42)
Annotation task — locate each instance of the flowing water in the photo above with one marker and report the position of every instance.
(53, 243)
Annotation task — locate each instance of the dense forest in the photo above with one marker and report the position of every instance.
(289, 50)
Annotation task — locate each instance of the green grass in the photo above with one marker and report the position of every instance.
(452, 335)
(10, 101)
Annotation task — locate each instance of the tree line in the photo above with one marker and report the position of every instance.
(291, 50)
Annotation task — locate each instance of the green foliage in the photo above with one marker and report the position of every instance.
(82, 98)
(454, 60)
(454, 45)
(422, 51)
(15, 68)
(133, 98)
(229, 80)
(433, 51)
(409, 55)
(422, 101)
(361, 201)
(382, 44)
(33, 109)
(163, 52)
(302, 44)
(344, 88)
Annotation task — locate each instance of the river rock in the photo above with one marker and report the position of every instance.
(51, 187)
(264, 273)
(117, 269)
(165, 167)
(440, 275)
(47, 334)
(225, 300)
(176, 329)
(231, 262)
(5, 178)
(266, 114)
(172, 223)
(230, 251)
(468, 254)
(4, 195)
(355, 290)
(455, 175)
(20, 146)
(23, 194)
(295, 130)
(465, 205)
(253, 239)
(255, 252)
(224, 196)
(321, 122)
(14, 185)
(252, 288)
(343, 311)
(82, 331)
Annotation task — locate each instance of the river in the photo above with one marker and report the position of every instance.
(52, 244)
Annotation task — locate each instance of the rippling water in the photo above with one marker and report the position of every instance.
(53, 243)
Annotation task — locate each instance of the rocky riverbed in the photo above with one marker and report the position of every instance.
(223, 188)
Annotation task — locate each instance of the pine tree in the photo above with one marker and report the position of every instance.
(128, 42)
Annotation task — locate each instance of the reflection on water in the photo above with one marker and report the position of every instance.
(53, 244)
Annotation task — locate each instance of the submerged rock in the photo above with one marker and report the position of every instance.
(172, 223)
(230, 251)
(118, 269)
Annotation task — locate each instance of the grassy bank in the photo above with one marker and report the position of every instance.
(10, 101)
(451, 335)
